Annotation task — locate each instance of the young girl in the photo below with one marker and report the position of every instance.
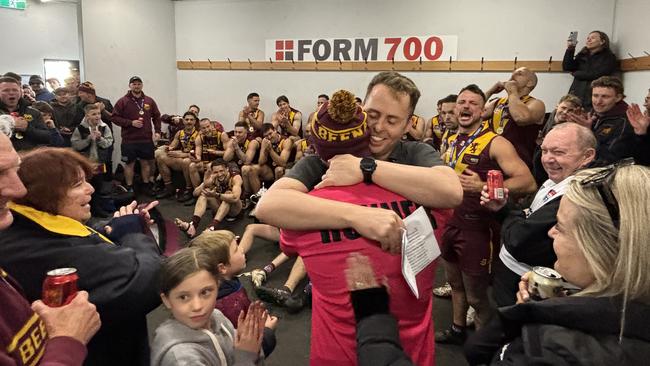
(232, 297)
(198, 334)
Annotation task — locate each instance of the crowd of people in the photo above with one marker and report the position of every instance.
(574, 197)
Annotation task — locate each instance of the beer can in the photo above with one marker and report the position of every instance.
(495, 184)
(60, 286)
(544, 283)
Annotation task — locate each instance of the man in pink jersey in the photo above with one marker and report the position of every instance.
(340, 127)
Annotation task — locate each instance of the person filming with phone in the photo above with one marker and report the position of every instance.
(594, 60)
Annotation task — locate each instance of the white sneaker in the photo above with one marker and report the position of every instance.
(443, 291)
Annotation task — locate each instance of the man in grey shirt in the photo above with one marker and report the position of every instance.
(411, 169)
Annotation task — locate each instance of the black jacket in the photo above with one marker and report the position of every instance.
(615, 135)
(37, 134)
(106, 113)
(121, 279)
(642, 149)
(527, 238)
(587, 68)
(378, 340)
(574, 330)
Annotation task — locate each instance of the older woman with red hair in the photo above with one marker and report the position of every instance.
(118, 265)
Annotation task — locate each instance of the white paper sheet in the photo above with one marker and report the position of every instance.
(419, 247)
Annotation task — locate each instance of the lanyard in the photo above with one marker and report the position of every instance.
(455, 154)
(139, 105)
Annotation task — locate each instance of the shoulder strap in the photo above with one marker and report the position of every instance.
(217, 346)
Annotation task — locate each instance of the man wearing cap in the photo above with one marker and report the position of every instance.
(87, 95)
(64, 113)
(411, 169)
(29, 130)
(339, 127)
(38, 86)
(134, 113)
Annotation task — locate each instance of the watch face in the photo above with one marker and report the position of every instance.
(368, 164)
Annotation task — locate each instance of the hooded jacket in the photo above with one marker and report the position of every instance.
(177, 344)
(615, 135)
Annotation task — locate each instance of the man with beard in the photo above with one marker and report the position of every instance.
(518, 116)
(245, 153)
(252, 115)
(135, 113)
(210, 145)
(468, 241)
(275, 153)
(64, 113)
(177, 156)
(221, 191)
(40, 91)
(449, 120)
(29, 129)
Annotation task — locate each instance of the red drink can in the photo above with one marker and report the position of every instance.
(60, 286)
(495, 184)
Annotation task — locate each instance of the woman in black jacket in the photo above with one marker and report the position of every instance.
(118, 265)
(601, 242)
(593, 61)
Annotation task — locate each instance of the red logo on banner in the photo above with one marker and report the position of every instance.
(284, 50)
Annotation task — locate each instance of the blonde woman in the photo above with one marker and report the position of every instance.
(601, 242)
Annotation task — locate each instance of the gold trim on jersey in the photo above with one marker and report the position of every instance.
(477, 145)
(498, 123)
(191, 142)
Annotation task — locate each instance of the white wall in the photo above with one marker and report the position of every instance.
(631, 36)
(495, 30)
(123, 38)
(40, 31)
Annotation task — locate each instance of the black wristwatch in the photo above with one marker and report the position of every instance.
(368, 166)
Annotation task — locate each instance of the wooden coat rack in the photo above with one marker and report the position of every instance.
(628, 64)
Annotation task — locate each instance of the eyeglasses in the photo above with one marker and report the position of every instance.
(602, 180)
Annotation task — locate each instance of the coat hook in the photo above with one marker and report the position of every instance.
(249, 62)
(515, 66)
(191, 63)
(633, 58)
(393, 60)
(481, 63)
(420, 60)
(550, 63)
(228, 60)
(271, 61)
(449, 63)
(647, 54)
